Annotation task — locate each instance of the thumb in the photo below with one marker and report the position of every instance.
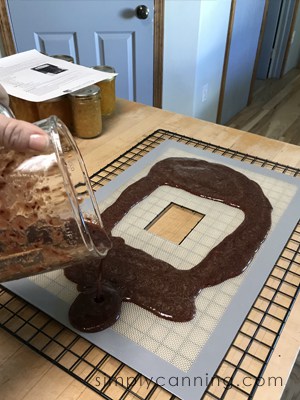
(21, 135)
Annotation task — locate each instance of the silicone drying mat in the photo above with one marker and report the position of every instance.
(181, 357)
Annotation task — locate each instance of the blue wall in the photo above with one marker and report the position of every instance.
(194, 48)
(195, 41)
(180, 55)
(214, 20)
(244, 42)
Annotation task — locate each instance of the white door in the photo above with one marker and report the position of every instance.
(93, 32)
(274, 10)
(275, 40)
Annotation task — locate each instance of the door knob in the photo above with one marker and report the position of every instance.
(142, 12)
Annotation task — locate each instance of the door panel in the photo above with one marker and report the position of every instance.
(93, 32)
(56, 43)
(117, 48)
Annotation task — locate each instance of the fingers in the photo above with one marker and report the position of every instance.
(21, 135)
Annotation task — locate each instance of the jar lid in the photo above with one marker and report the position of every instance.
(89, 91)
(64, 57)
(105, 68)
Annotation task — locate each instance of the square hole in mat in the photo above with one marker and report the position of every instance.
(217, 220)
(174, 223)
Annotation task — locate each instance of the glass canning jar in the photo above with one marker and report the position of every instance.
(24, 109)
(59, 106)
(86, 112)
(108, 91)
(49, 218)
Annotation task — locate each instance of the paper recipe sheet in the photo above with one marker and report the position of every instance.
(35, 77)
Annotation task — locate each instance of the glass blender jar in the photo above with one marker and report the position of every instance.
(49, 217)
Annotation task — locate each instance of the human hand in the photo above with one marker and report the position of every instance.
(4, 99)
(22, 136)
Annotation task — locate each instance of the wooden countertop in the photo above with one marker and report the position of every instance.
(28, 376)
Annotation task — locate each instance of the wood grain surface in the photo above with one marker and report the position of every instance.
(274, 111)
(25, 375)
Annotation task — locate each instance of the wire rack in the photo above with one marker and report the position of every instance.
(248, 354)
